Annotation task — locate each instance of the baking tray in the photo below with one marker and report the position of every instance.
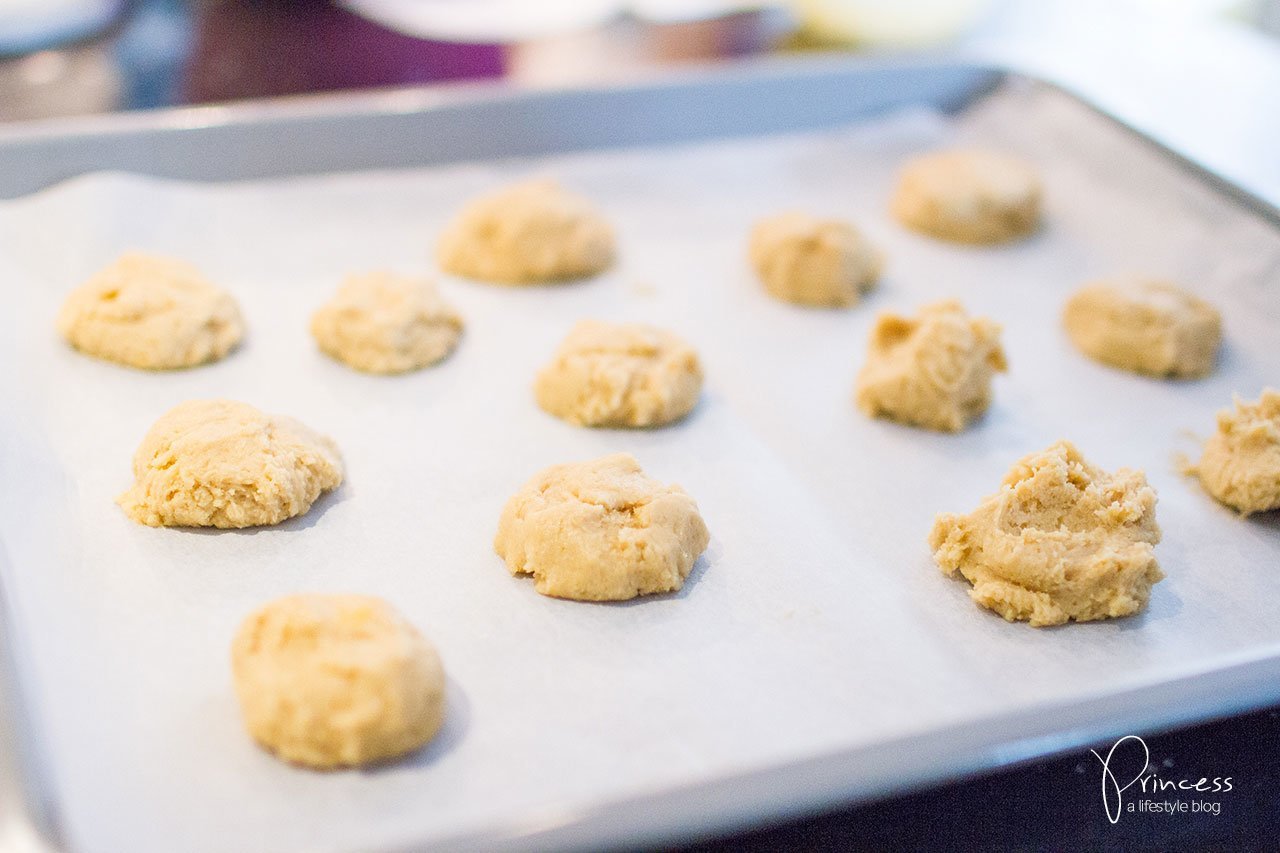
(413, 129)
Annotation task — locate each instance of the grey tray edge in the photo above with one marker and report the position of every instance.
(425, 126)
(211, 144)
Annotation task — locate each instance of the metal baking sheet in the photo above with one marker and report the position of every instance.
(815, 656)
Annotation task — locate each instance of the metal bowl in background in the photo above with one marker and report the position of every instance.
(246, 49)
(56, 58)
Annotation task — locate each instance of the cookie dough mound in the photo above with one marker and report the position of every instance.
(153, 313)
(620, 375)
(535, 231)
(218, 463)
(601, 531)
(385, 323)
(330, 681)
(968, 197)
(811, 261)
(933, 370)
(1062, 540)
(1145, 326)
(1240, 465)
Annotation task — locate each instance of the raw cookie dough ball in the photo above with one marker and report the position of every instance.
(153, 313)
(534, 231)
(380, 322)
(968, 197)
(331, 681)
(218, 463)
(933, 370)
(601, 531)
(812, 261)
(1146, 326)
(1241, 461)
(620, 375)
(1061, 540)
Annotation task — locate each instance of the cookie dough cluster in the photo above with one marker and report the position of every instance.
(529, 233)
(969, 196)
(1240, 465)
(933, 370)
(1062, 540)
(158, 313)
(385, 323)
(620, 375)
(1145, 326)
(811, 261)
(601, 531)
(219, 463)
(330, 681)
(151, 313)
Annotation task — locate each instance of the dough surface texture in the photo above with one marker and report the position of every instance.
(151, 313)
(1240, 465)
(534, 231)
(933, 370)
(1146, 326)
(1062, 540)
(968, 196)
(329, 681)
(219, 463)
(385, 323)
(620, 375)
(811, 261)
(601, 531)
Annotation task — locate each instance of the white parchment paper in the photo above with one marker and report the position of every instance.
(815, 621)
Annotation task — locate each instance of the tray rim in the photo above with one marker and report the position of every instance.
(1245, 681)
(417, 98)
(814, 784)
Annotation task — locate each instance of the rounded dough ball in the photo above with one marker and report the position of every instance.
(1062, 540)
(331, 681)
(620, 375)
(1145, 326)
(380, 322)
(219, 463)
(933, 370)
(601, 531)
(968, 197)
(534, 231)
(811, 261)
(1240, 465)
(150, 312)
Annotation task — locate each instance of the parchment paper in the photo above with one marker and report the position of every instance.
(815, 621)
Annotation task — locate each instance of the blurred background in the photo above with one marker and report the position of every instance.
(75, 57)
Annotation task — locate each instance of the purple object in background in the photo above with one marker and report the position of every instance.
(262, 48)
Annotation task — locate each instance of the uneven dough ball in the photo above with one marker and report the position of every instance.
(968, 197)
(601, 531)
(811, 261)
(1146, 326)
(1061, 540)
(153, 313)
(331, 681)
(1240, 465)
(534, 231)
(620, 375)
(385, 323)
(218, 463)
(933, 370)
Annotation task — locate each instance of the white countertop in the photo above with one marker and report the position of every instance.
(1209, 89)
